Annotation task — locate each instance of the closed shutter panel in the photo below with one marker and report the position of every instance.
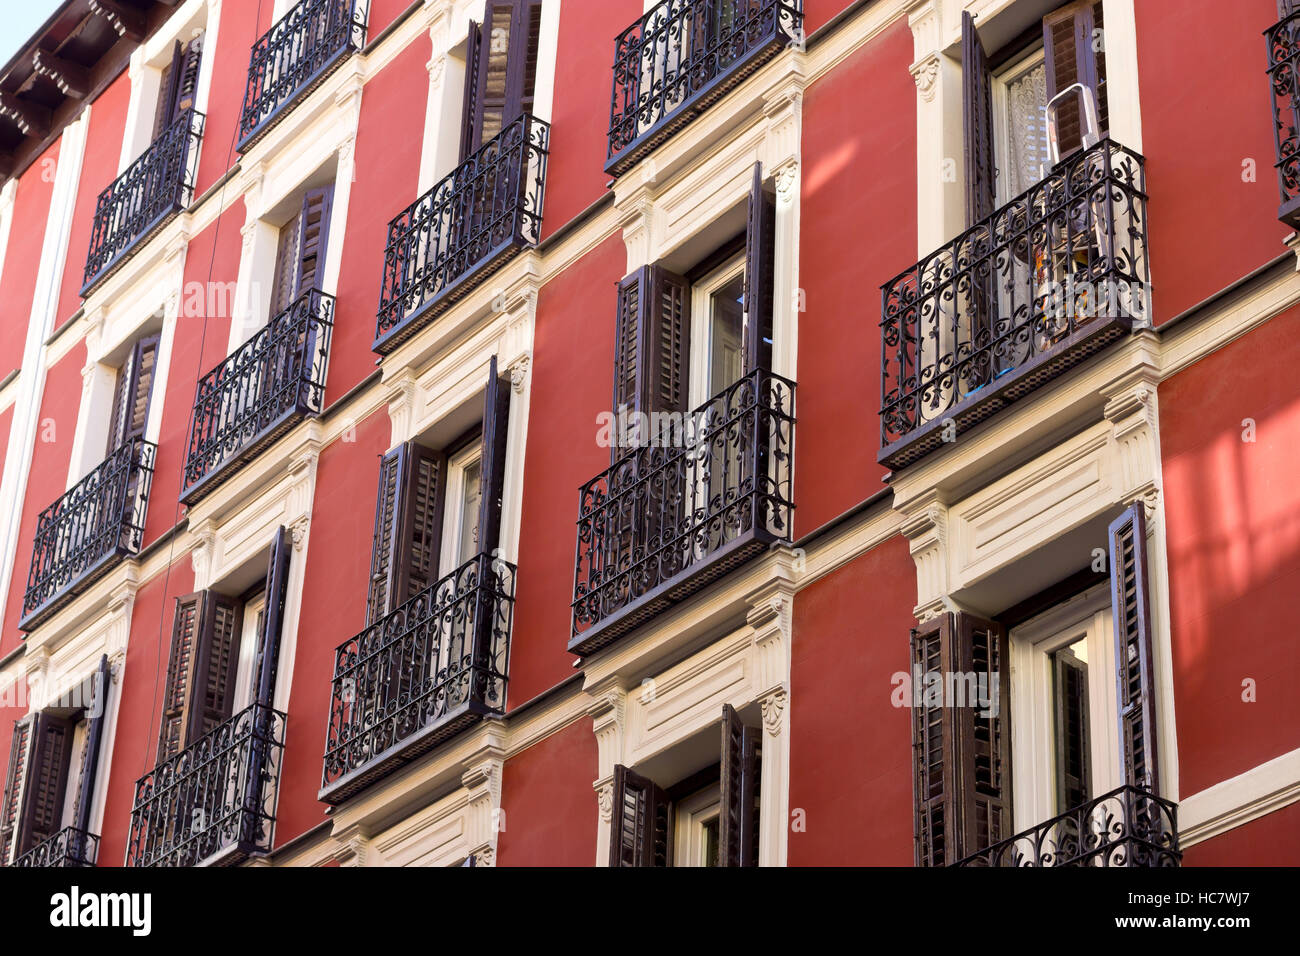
(287, 265)
(977, 116)
(738, 817)
(934, 768)
(316, 207)
(271, 622)
(215, 666)
(532, 33)
(984, 734)
(641, 826)
(496, 426)
(1070, 676)
(760, 266)
(42, 805)
(1069, 42)
(188, 86)
(20, 755)
(470, 120)
(88, 773)
(408, 527)
(652, 341)
(1134, 662)
(186, 629)
(165, 109)
(627, 340)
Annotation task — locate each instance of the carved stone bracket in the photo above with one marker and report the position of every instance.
(926, 74)
(773, 707)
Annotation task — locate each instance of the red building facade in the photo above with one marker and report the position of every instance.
(705, 432)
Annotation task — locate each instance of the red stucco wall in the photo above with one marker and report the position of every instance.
(548, 802)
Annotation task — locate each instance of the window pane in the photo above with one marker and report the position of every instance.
(1025, 124)
(469, 513)
(726, 334)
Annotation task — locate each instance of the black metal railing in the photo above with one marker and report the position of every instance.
(713, 488)
(1283, 39)
(214, 802)
(472, 222)
(680, 57)
(419, 675)
(139, 202)
(292, 58)
(68, 847)
(1053, 276)
(268, 384)
(1127, 827)
(92, 525)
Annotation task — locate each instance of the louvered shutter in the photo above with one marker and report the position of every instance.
(20, 755)
(186, 630)
(961, 754)
(95, 715)
(738, 816)
(977, 119)
(501, 69)
(1135, 665)
(131, 394)
(1070, 42)
(1070, 677)
(408, 527)
(934, 730)
(271, 624)
(164, 110)
(41, 815)
(188, 86)
(652, 341)
(287, 265)
(315, 218)
(641, 826)
(760, 267)
(492, 470)
(217, 662)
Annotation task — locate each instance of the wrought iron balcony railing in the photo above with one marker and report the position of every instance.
(88, 529)
(477, 218)
(711, 489)
(680, 58)
(294, 57)
(68, 847)
(263, 389)
(214, 802)
(418, 676)
(1055, 275)
(1283, 40)
(1127, 827)
(154, 188)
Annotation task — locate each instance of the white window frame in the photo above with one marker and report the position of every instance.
(1033, 749)
(999, 83)
(453, 528)
(248, 641)
(701, 358)
(692, 815)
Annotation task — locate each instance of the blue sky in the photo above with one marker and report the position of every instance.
(21, 19)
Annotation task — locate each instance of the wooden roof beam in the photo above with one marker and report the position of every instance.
(72, 79)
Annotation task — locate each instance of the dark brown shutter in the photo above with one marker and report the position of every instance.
(165, 109)
(316, 207)
(501, 69)
(760, 268)
(738, 817)
(408, 526)
(1068, 40)
(641, 827)
(287, 265)
(200, 688)
(271, 621)
(95, 715)
(652, 341)
(1070, 695)
(41, 815)
(977, 116)
(132, 392)
(20, 756)
(492, 468)
(961, 754)
(1134, 662)
(188, 85)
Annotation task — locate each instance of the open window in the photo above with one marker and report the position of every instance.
(708, 819)
(131, 393)
(179, 84)
(53, 767)
(501, 69)
(300, 249)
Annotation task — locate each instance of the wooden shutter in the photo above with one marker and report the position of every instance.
(1073, 757)
(408, 526)
(492, 468)
(652, 341)
(641, 826)
(977, 117)
(179, 85)
(95, 717)
(1135, 665)
(760, 266)
(131, 394)
(41, 814)
(287, 265)
(501, 69)
(20, 756)
(738, 817)
(1069, 38)
(961, 754)
(200, 687)
(271, 623)
(315, 218)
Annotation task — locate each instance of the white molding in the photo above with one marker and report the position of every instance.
(1248, 796)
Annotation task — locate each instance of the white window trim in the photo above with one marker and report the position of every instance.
(692, 814)
(248, 640)
(1000, 82)
(453, 530)
(1033, 751)
(701, 358)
